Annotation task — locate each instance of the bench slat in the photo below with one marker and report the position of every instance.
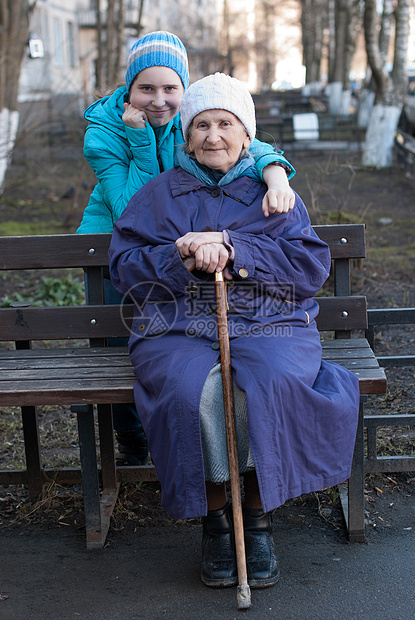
(352, 343)
(342, 313)
(348, 353)
(54, 251)
(371, 381)
(66, 363)
(35, 378)
(71, 357)
(336, 313)
(334, 236)
(66, 355)
(97, 391)
(63, 251)
(66, 322)
(48, 374)
(45, 371)
(352, 364)
(89, 391)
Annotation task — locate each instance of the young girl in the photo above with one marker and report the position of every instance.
(133, 135)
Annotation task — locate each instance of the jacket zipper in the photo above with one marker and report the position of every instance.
(158, 155)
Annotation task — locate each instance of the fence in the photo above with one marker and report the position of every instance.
(405, 152)
(373, 462)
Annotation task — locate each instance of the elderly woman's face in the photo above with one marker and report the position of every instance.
(217, 138)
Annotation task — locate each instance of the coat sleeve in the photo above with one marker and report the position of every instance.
(287, 255)
(121, 168)
(264, 154)
(138, 257)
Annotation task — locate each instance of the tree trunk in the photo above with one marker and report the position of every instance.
(380, 135)
(386, 29)
(366, 101)
(140, 15)
(14, 36)
(120, 37)
(346, 20)
(110, 45)
(99, 63)
(228, 60)
(332, 39)
(312, 24)
(352, 31)
(390, 89)
(317, 42)
(110, 32)
(382, 80)
(335, 87)
(399, 71)
(265, 44)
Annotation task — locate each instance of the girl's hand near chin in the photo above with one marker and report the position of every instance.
(133, 117)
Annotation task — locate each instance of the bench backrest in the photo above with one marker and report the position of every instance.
(340, 313)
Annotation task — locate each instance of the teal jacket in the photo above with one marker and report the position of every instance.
(124, 159)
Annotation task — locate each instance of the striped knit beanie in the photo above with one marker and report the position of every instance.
(158, 49)
(218, 92)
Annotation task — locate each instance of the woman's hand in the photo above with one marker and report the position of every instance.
(280, 197)
(211, 257)
(191, 242)
(133, 117)
(208, 249)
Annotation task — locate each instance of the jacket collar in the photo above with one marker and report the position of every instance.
(165, 130)
(108, 112)
(244, 189)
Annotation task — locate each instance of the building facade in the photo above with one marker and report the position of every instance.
(62, 52)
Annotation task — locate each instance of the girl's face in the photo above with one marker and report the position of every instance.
(158, 91)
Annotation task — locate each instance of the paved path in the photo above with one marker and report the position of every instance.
(153, 573)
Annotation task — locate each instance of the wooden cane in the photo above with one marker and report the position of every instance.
(243, 590)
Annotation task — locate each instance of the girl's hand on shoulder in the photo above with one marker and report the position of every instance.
(278, 199)
(133, 117)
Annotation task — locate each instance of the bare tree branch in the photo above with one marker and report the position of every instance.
(14, 36)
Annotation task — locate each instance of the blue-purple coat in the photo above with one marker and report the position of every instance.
(302, 411)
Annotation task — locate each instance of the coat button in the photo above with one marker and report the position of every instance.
(193, 288)
(215, 346)
(243, 273)
(215, 192)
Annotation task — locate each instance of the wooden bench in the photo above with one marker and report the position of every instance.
(80, 370)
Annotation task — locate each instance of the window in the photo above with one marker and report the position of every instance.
(71, 45)
(57, 43)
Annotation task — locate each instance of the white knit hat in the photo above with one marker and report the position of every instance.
(218, 92)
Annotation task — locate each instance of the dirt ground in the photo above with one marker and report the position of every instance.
(47, 188)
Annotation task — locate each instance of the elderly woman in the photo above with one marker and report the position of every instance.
(296, 415)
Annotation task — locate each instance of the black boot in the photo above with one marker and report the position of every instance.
(261, 561)
(132, 448)
(218, 550)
